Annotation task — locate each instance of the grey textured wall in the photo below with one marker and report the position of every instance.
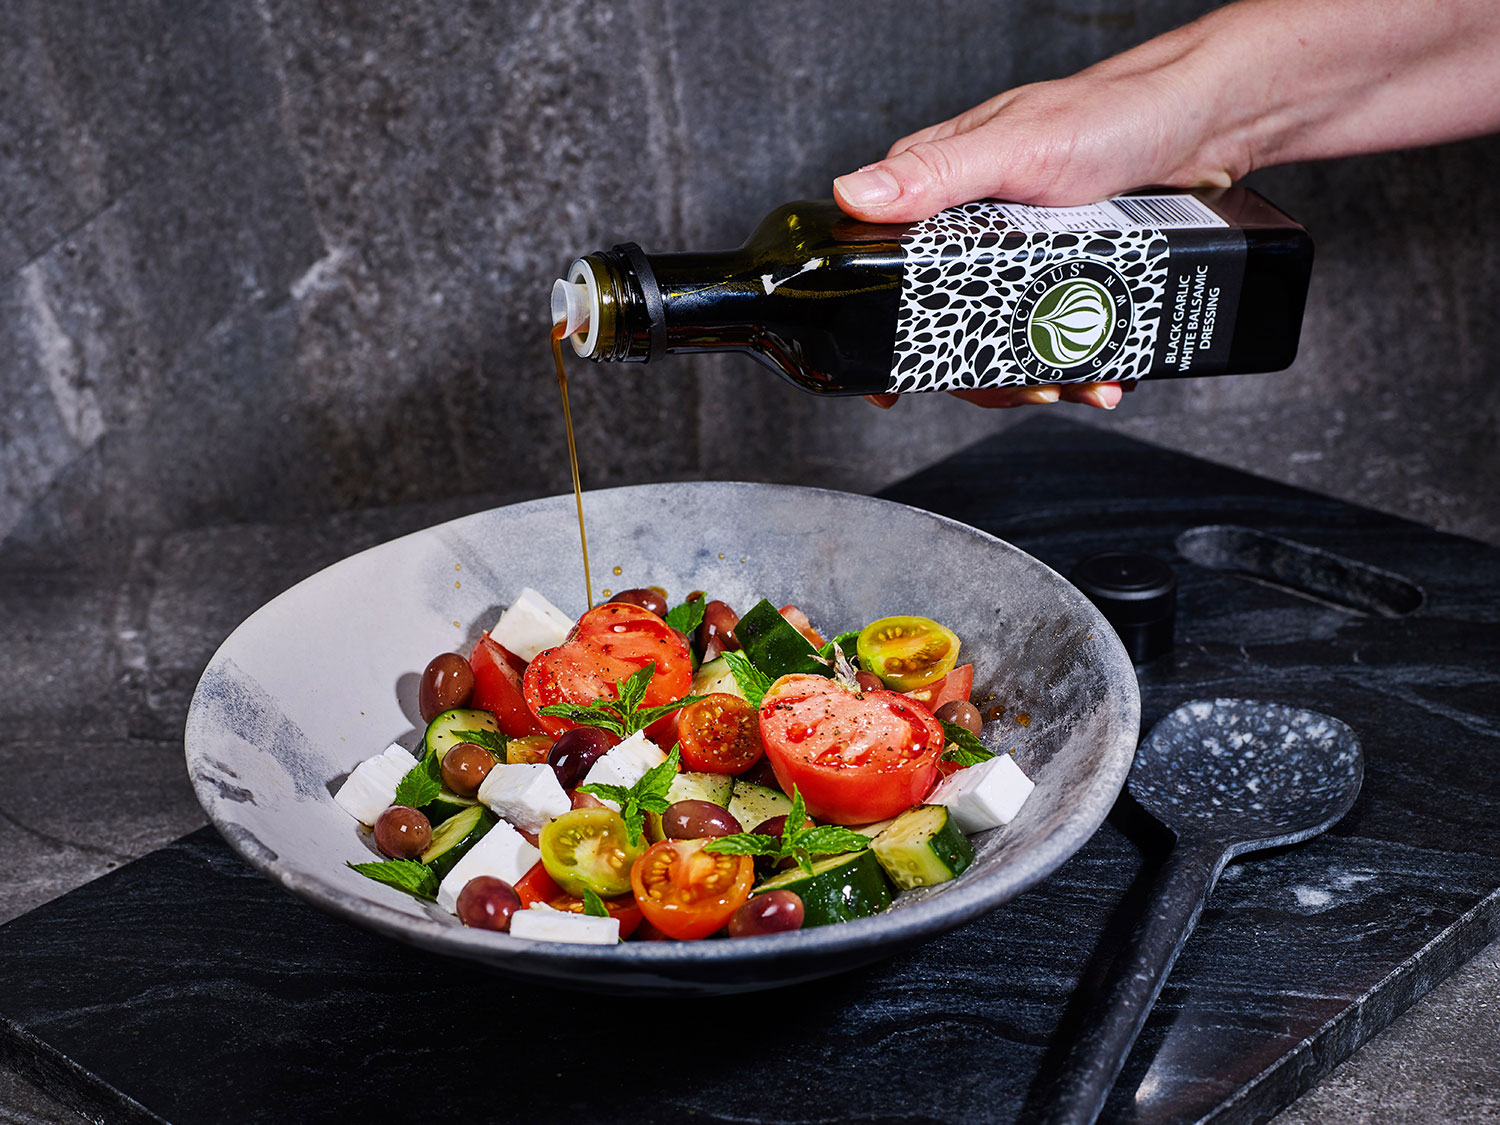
(264, 258)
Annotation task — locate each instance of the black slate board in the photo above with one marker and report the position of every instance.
(186, 988)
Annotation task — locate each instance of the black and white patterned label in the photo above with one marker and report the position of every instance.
(996, 295)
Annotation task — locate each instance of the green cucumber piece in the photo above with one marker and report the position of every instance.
(753, 804)
(445, 805)
(771, 643)
(715, 677)
(840, 888)
(922, 847)
(452, 839)
(442, 732)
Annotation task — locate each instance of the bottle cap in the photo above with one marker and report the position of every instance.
(570, 302)
(1137, 595)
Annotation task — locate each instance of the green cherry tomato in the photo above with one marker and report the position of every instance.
(590, 849)
(908, 652)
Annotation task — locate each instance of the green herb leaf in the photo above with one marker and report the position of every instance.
(619, 794)
(832, 839)
(744, 843)
(686, 617)
(649, 794)
(593, 905)
(751, 680)
(964, 746)
(492, 740)
(848, 642)
(632, 689)
(596, 714)
(422, 783)
(404, 874)
(622, 715)
(648, 715)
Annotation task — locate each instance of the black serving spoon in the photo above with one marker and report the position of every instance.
(1227, 776)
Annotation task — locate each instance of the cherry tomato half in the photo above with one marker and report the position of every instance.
(609, 643)
(688, 893)
(855, 757)
(536, 886)
(719, 734)
(589, 849)
(497, 688)
(908, 652)
(956, 685)
(624, 909)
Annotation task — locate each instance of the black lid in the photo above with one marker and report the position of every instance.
(1137, 595)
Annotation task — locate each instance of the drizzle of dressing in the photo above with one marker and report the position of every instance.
(559, 330)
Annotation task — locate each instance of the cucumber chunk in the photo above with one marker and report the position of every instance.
(840, 888)
(771, 643)
(753, 804)
(922, 847)
(715, 677)
(452, 839)
(445, 805)
(442, 732)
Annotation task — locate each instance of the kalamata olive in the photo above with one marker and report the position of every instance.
(486, 903)
(645, 598)
(447, 682)
(575, 752)
(774, 912)
(465, 767)
(697, 820)
(402, 833)
(868, 681)
(716, 634)
(962, 712)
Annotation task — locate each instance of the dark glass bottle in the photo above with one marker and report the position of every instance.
(988, 294)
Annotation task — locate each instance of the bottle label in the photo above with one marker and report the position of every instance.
(1001, 294)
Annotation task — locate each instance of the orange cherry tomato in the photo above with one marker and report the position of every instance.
(856, 757)
(623, 908)
(719, 734)
(688, 893)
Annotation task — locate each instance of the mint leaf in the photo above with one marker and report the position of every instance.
(404, 874)
(622, 715)
(596, 714)
(492, 740)
(744, 843)
(751, 680)
(593, 905)
(422, 783)
(649, 794)
(632, 689)
(832, 839)
(964, 746)
(648, 715)
(688, 616)
(792, 829)
(619, 794)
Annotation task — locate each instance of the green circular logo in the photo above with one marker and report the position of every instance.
(1071, 323)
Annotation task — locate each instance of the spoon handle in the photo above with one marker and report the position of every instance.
(1134, 981)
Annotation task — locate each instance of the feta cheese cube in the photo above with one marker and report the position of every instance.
(371, 786)
(625, 764)
(543, 923)
(528, 795)
(984, 796)
(531, 624)
(502, 852)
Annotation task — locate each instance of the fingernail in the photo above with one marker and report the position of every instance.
(1097, 397)
(868, 187)
(1039, 396)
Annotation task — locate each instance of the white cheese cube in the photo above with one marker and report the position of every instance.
(625, 764)
(543, 923)
(371, 786)
(526, 794)
(984, 796)
(502, 852)
(531, 624)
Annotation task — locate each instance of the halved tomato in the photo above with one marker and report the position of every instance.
(623, 908)
(688, 893)
(497, 688)
(609, 643)
(798, 621)
(855, 757)
(908, 652)
(719, 734)
(537, 886)
(589, 849)
(957, 684)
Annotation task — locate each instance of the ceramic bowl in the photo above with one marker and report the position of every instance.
(325, 676)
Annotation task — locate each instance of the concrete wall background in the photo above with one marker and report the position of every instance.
(266, 258)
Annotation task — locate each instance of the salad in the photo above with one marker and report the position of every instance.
(649, 773)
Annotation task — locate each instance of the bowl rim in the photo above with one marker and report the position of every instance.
(940, 912)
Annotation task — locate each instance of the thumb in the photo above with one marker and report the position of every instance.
(922, 179)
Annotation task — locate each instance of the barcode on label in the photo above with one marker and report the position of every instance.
(1166, 211)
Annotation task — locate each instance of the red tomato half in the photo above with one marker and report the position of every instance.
(623, 908)
(688, 893)
(855, 758)
(719, 734)
(537, 886)
(497, 688)
(609, 643)
(957, 684)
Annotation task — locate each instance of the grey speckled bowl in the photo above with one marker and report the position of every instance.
(324, 676)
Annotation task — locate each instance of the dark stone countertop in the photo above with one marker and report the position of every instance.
(109, 642)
